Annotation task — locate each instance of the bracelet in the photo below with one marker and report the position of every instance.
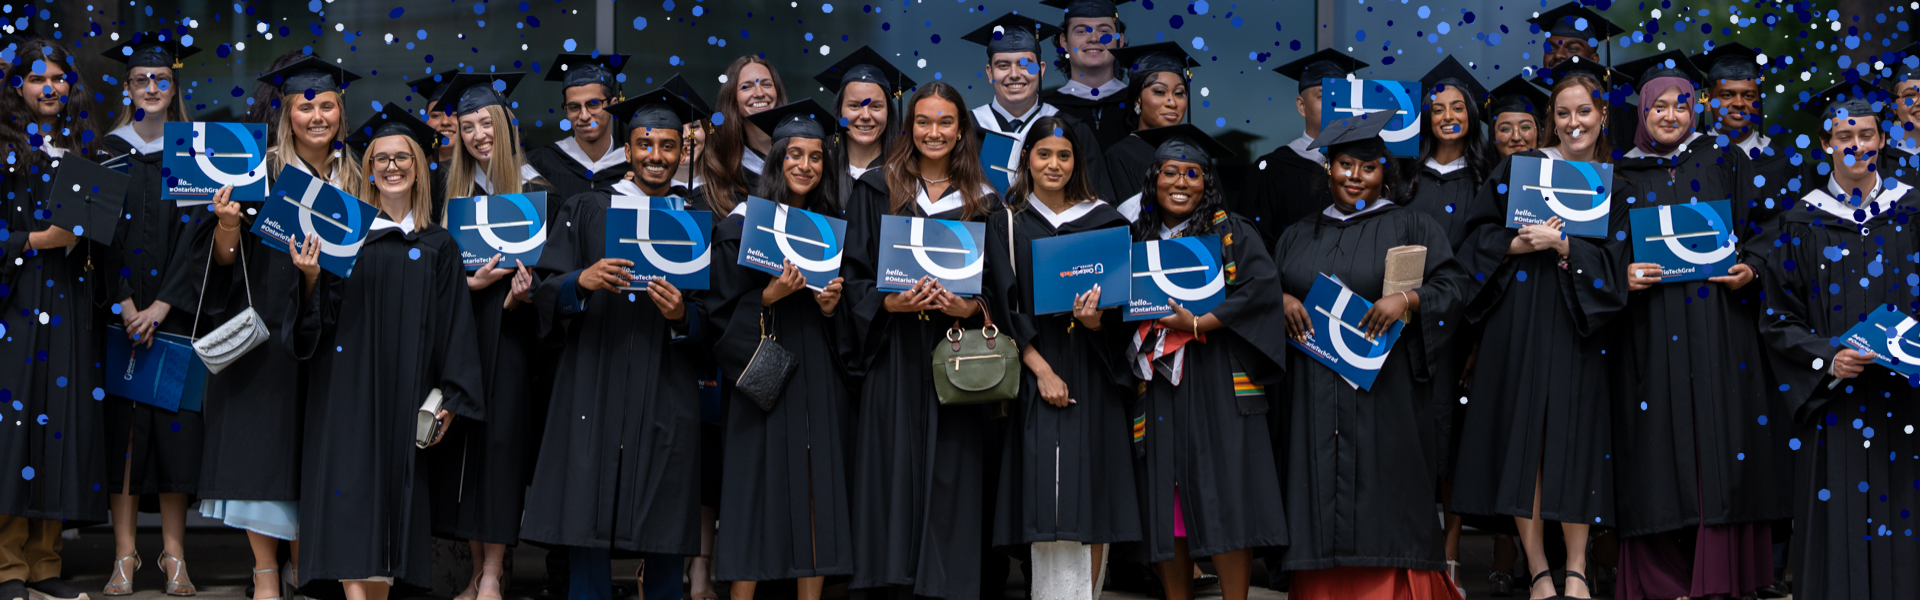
(224, 228)
(1405, 298)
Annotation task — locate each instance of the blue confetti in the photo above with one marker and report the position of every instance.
(639, 23)
(395, 14)
(26, 473)
(569, 45)
(1824, 495)
(414, 254)
(1793, 444)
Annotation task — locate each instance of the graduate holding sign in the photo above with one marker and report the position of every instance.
(627, 477)
(1207, 483)
(915, 532)
(1354, 450)
(1066, 478)
(378, 343)
(1540, 414)
(1814, 293)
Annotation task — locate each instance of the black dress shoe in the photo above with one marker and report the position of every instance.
(1778, 589)
(13, 589)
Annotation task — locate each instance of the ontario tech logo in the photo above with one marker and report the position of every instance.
(218, 155)
(949, 251)
(302, 206)
(1575, 191)
(1184, 270)
(1689, 241)
(1901, 347)
(484, 224)
(771, 233)
(1338, 342)
(1343, 98)
(680, 251)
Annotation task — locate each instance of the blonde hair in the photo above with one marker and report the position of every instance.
(421, 200)
(283, 145)
(176, 111)
(503, 169)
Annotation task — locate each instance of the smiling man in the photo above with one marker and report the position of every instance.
(590, 159)
(1734, 108)
(1092, 94)
(1575, 31)
(1902, 155)
(1013, 65)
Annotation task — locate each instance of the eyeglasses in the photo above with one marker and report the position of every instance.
(1190, 174)
(395, 161)
(574, 107)
(160, 82)
(1507, 128)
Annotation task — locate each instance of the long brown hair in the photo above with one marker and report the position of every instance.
(285, 148)
(75, 121)
(265, 107)
(963, 162)
(1602, 146)
(1077, 188)
(720, 161)
(503, 168)
(419, 201)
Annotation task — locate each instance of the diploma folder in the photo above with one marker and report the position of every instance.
(513, 226)
(997, 157)
(198, 159)
(952, 252)
(1689, 241)
(675, 245)
(1338, 340)
(1577, 192)
(1066, 266)
(1346, 98)
(168, 375)
(774, 232)
(1891, 335)
(300, 205)
(1186, 270)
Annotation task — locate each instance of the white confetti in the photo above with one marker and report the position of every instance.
(723, 78)
(1818, 363)
(824, 49)
(1204, 92)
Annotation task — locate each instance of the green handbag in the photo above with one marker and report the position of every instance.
(976, 366)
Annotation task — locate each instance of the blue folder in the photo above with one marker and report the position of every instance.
(773, 233)
(1689, 241)
(200, 158)
(513, 226)
(1186, 270)
(1891, 335)
(953, 252)
(300, 205)
(997, 158)
(168, 375)
(1066, 266)
(1577, 192)
(674, 245)
(1338, 341)
(1343, 98)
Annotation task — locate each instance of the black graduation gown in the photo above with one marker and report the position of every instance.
(1205, 440)
(1127, 165)
(1778, 179)
(1853, 457)
(588, 490)
(569, 177)
(1691, 421)
(1445, 197)
(1282, 188)
(153, 258)
(1541, 388)
(61, 376)
(783, 463)
(375, 344)
(479, 474)
(918, 467)
(1897, 162)
(1107, 117)
(1353, 453)
(1066, 474)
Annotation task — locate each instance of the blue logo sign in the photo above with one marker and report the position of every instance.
(1689, 241)
(1338, 341)
(949, 251)
(201, 158)
(679, 250)
(1539, 189)
(773, 233)
(301, 206)
(511, 225)
(1343, 98)
(1184, 270)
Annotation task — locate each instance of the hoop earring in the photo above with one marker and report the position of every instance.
(1136, 108)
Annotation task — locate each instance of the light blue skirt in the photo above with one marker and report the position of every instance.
(278, 519)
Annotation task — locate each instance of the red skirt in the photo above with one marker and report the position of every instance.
(1372, 583)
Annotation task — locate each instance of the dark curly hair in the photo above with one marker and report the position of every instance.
(1199, 223)
(74, 128)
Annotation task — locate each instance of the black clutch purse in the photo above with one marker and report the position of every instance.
(767, 371)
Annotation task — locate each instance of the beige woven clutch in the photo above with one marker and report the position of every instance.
(1406, 270)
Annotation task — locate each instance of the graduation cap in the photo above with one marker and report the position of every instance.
(1904, 70)
(309, 73)
(1730, 62)
(867, 66)
(1184, 142)
(1516, 95)
(1607, 76)
(680, 87)
(474, 91)
(661, 108)
(1671, 63)
(574, 70)
(1357, 136)
(430, 87)
(151, 49)
(1012, 33)
(1576, 21)
(86, 199)
(1853, 99)
(393, 120)
(1159, 57)
(1452, 74)
(1325, 64)
(803, 119)
(1088, 9)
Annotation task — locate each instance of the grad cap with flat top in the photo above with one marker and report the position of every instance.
(393, 120)
(151, 49)
(678, 85)
(1516, 95)
(1576, 21)
(658, 109)
(309, 73)
(865, 65)
(1088, 9)
(86, 199)
(1907, 64)
(431, 86)
(1357, 136)
(1731, 61)
(1851, 98)
(1451, 73)
(574, 70)
(1158, 57)
(474, 91)
(1017, 33)
(803, 119)
(1671, 63)
(1325, 64)
(1607, 76)
(1184, 142)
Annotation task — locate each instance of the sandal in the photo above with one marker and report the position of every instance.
(1453, 576)
(256, 581)
(1572, 574)
(177, 583)
(1536, 579)
(124, 574)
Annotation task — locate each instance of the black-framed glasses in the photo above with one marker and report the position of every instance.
(397, 161)
(574, 107)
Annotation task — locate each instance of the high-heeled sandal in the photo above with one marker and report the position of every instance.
(1546, 574)
(497, 583)
(256, 582)
(177, 585)
(1572, 574)
(1453, 575)
(125, 588)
